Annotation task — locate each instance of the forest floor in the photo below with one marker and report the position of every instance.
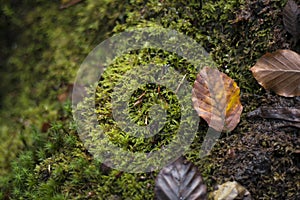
(42, 155)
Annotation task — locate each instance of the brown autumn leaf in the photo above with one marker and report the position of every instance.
(216, 98)
(279, 72)
(291, 19)
(62, 97)
(45, 127)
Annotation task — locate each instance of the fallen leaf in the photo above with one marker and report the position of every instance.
(295, 125)
(62, 97)
(291, 19)
(45, 127)
(230, 191)
(216, 98)
(283, 113)
(286, 114)
(279, 72)
(180, 180)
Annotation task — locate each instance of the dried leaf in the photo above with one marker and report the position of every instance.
(45, 127)
(216, 98)
(285, 113)
(291, 19)
(280, 72)
(62, 97)
(230, 191)
(295, 125)
(180, 180)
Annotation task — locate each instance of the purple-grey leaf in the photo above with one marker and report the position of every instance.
(283, 113)
(180, 180)
(291, 19)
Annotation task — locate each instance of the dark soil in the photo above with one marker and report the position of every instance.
(266, 157)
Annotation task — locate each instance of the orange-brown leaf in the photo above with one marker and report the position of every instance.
(279, 72)
(216, 98)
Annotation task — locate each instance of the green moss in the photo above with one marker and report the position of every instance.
(69, 172)
(44, 47)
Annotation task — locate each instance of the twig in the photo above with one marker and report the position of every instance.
(69, 4)
(180, 84)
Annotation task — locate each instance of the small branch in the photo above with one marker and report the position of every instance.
(180, 84)
(69, 4)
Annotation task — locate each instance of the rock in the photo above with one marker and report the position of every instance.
(230, 191)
